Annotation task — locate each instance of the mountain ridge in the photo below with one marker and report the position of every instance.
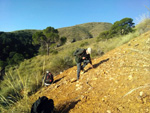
(79, 31)
(84, 31)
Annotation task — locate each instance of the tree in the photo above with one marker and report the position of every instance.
(121, 27)
(46, 37)
(63, 40)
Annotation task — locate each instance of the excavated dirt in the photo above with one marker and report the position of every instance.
(118, 83)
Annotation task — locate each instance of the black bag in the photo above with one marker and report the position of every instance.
(43, 105)
(78, 52)
(48, 78)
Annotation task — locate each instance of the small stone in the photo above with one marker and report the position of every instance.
(116, 81)
(136, 45)
(108, 111)
(78, 88)
(103, 99)
(73, 80)
(148, 41)
(141, 93)
(130, 77)
(82, 97)
(57, 86)
(94, 78)
(77, 85)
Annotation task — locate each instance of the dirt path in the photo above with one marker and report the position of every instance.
(118, 83)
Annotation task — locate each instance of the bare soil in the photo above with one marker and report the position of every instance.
(118, 83)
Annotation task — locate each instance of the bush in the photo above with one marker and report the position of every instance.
(97, 52)
(61, 63)
(143, 26)
(54, 52)
(103, 35)
(84, 44)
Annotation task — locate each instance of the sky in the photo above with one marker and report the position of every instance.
(40, 14)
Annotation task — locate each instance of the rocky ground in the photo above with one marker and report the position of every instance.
(118, 83)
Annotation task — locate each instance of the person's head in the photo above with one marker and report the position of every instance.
(47, 71)
(88, 51)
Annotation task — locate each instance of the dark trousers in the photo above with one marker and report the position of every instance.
(81, 67)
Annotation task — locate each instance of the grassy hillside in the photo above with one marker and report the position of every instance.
(25, 79)
(126, 72)
(84, 31)
(118, 83)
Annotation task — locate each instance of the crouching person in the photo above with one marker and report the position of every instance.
(82, 58)
(48, 78)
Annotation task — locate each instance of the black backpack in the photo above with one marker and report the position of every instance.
(43, 105)
(48, 78)
(78, 52)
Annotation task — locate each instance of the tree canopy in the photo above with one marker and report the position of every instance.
(46, 37)
(121, 27)
(15, 47)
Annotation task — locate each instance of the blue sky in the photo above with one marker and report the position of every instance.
(39, 14)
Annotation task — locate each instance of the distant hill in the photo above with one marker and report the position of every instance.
(84, 31)
(78, 32)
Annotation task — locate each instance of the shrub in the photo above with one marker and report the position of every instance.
(84, 44)
(54, 52)
(103, 35)
(143, 26)
(97, 52)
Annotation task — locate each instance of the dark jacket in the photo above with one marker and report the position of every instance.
(79, 53)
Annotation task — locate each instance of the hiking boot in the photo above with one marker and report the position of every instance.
(83, 71)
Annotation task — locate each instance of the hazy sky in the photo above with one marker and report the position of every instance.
(39, 14)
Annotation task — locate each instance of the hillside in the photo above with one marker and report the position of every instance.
(78, 32)
(84, 31)
(118, 83)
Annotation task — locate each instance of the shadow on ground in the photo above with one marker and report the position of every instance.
(96, 65)
(66, 107)
(58, 80)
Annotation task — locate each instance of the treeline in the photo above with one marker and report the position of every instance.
(121, 27)
(15, 47)
(25, 44)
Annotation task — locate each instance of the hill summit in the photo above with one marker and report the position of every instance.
(118, 83)
(84, 31)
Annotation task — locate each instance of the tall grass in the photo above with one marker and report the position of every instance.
(143, 23)
(17, 88)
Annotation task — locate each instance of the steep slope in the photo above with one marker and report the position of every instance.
(84, 31)
(118, 83)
